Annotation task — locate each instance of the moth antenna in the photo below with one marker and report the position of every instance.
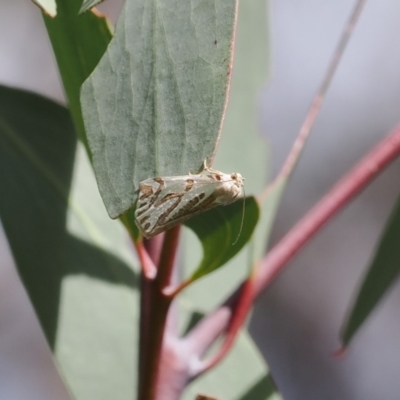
(241, 222)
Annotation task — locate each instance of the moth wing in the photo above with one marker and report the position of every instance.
(166, 202)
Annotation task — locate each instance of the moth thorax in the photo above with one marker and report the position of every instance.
(228, 193)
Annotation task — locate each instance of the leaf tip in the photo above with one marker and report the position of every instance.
(340, 352)
(48, 7)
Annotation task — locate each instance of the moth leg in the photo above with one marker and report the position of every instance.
(207, 168)
(202, 168)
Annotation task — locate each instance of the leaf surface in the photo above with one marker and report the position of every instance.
(36, 160)
(48, 6)
(76, 263)
(79, 41)
(154, 104)
(241, 149)
(382, 272)
(223, 232)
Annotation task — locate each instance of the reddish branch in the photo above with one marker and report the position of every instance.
(180, 359)
(154, 310)
(318, 99)
(243, 304)
(275, 260)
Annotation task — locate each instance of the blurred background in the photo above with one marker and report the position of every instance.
(296, 323)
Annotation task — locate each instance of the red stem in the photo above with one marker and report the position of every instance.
(154, 246)
(240, 312)
(230, 317)
(154, 311)
(318, 99)
(239, 309)
(204, 334)
(345, 190)
(149, 270)
(167, 259)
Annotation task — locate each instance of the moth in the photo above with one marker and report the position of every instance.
(168, 201)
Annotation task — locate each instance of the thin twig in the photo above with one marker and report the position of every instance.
(344, 191)
(154, 246)
(316, 104)
(174, 290)
(243, 305)
(238, 317)
(148, 268)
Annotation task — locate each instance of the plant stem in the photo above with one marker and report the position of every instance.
(340, 195)
(150, 361)
(203, 334)
(240, 307)
(318, 99)
(154, 311)
(154, 246)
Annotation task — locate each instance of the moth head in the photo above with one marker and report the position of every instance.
(237, 178)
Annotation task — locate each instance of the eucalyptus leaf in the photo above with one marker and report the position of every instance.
(37, 149)
(382, 272)
(97, 335)
(223, 232)
(48, 6)
(154, 104)
(79, 41)
(241, 149)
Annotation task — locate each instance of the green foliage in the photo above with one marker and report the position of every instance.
(221, 233)
(240, 138)
(383, 271)
(48, 6)
(75, 262)
(37, 149)
(154, 104)
(79, 41)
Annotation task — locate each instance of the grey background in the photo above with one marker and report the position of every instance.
(296, 323)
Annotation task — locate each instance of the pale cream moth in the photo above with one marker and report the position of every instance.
(164, 202)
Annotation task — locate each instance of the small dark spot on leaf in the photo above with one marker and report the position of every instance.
(215, 41)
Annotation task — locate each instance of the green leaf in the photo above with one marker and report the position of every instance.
(37, 148)
(74, 261)
(48, 6)
(97, 334)
(382, 272)
(154, 104)
(219, 228)
(79, 41)
(88, 4)
(241, 149)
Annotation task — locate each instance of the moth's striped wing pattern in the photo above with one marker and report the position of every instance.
(166, 202)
